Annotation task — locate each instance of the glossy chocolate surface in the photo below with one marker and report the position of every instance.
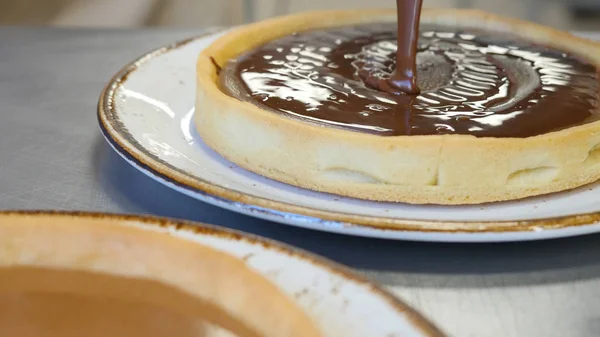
(472, 82)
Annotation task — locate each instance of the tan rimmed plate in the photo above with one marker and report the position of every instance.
(146, 112)
(337, 301)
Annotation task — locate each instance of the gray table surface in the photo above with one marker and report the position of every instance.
(53, 157)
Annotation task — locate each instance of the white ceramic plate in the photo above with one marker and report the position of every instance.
(338, 301)
(146, 115)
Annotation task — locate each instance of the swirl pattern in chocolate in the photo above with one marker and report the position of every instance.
(472, 82)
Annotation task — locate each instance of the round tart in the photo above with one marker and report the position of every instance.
(535, 131)
(121, 277)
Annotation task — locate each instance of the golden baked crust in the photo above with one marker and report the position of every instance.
(131, 249)
(437, 169)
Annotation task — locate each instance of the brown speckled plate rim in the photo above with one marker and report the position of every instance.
(414, 318)
(125, 144)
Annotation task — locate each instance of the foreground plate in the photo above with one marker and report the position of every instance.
(339, 302)
(146, 115)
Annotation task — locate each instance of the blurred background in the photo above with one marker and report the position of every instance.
(564, 14)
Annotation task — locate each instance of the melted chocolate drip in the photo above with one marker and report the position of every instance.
(472, 82)
(404, 78)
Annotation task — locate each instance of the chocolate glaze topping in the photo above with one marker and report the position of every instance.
(471, 82)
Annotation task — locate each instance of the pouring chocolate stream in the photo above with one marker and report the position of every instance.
(404, 77)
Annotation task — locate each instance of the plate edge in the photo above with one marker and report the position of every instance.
(415, 318)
